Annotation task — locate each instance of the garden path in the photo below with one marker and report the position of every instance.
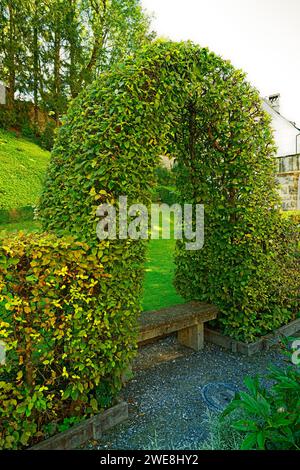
(167, 406)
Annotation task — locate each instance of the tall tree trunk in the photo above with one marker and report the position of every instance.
(72, 44)
(35, 63)
(11, 58)
(100, 12)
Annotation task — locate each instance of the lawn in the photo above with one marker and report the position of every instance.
(159, 291)
(25, 226)
(22, 169)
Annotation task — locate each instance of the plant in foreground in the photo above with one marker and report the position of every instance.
(271, 417)
(222, 435)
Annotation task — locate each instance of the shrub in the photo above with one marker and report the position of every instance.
(7, 117)
(47, 136)
(16, 215)
(165, 194)
(67, 342)
(271, 417)
(164, 191)
(292, 215)
(182, 100)
(16, 117)
(164, 176)
(30, 131)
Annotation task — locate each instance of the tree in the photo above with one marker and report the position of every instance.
(12, 48)
(100, 33)
(51, 49)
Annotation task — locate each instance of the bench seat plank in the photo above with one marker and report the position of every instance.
(187, 319)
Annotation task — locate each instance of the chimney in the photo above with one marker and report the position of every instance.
(274, 101)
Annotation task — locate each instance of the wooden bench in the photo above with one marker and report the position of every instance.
(188, 319)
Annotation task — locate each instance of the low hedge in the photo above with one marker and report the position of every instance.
(165, 194)
(294, 216)
(66, 345)
(20, 214)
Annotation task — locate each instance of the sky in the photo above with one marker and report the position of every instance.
(262, 37)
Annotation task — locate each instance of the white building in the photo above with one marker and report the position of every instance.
(287, 137)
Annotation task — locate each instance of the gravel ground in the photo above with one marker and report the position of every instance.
(167, 409)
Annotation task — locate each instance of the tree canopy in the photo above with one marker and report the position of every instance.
(51, 49)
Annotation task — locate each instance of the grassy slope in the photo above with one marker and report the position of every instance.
(22, 168)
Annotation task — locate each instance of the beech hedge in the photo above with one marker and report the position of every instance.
(182, 100)
(65, 342)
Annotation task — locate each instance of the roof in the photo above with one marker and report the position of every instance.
(274, 113)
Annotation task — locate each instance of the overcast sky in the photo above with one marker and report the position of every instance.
(262, 37)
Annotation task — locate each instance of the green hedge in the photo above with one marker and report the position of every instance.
(16, 215)
(165, 194)
(180, 99)
(67, 341)
(20, 118)
(294, 216)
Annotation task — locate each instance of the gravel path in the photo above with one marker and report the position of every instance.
(166, 406)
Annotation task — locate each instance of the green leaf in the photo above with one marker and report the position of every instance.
(94, 404)
(260, 437)
(245, 425)
(249, 442)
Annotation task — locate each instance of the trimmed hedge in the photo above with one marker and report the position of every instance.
(20, 214)
(165, 194)
(21, 118)
(182, 100)
(67, 344)
(294, 216)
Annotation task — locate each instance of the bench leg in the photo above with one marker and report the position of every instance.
(192, 337)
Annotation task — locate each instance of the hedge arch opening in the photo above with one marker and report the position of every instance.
(182, 100)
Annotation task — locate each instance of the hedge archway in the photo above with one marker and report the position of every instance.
(180, 99)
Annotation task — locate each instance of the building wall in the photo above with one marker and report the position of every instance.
(288, 177)
(289, 191)
(287, 138)
(284, 132)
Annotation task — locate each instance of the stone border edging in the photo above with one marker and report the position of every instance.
(87, 430)
(263, 344)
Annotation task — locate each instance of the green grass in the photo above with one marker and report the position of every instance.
(25, 226)
(159, 291)
(221, 434)
(22, 169)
